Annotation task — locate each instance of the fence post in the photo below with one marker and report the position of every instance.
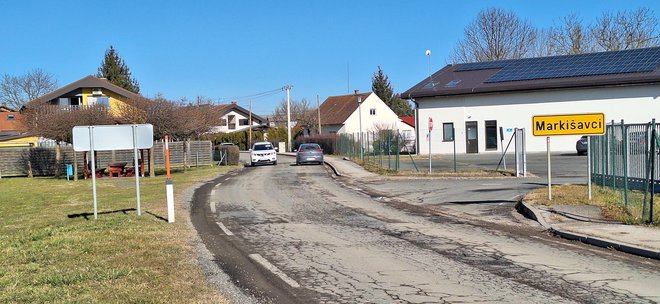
(653, 151)
(398, 150)
(624, 134)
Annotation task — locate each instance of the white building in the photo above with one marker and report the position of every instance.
(235, 118)
(357, 112)
(477, 99)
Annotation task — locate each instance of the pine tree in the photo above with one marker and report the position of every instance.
(380, 84)
(117, 72)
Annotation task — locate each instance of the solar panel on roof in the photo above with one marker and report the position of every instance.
(628, 61)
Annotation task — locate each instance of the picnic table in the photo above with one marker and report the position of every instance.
(116, 169)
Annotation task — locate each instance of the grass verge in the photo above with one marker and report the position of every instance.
(610, 202)
(52, 250)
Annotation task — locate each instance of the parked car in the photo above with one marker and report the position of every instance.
(263, 152)
(309, 153)
(581, 145)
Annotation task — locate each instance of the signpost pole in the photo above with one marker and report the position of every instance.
(549, 172)
(137, 175)
(453, 138)
(589, 165)
(502, 145)
(93, 165)
(169, 187)
(430, 130)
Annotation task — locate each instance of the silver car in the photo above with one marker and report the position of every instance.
(309, 153)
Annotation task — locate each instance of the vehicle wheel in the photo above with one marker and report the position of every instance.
(297, 163)
(275, 163)
(251, 164)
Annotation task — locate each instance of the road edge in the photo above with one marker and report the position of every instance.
(214, 275)
(535, 214)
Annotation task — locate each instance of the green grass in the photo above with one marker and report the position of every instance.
(610, 202)
(52, 250)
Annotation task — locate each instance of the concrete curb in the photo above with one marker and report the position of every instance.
(334, 169)
(535, 214)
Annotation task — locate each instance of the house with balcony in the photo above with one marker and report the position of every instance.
(89, 91)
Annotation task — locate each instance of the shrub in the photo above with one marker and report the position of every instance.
(231, 154)
(328, 142)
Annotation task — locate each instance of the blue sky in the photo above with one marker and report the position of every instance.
(223, 49)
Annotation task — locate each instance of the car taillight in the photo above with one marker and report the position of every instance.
(300, 152)
(317, 151)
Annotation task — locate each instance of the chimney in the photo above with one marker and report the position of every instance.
(233, 102)
(357, 92)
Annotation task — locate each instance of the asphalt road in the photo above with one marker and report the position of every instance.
(294, 234)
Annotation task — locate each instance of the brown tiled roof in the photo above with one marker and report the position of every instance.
(336, 109)
(469, 78)
(88, 82)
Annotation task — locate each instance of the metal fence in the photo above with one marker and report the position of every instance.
(382, 149)
(625, 159)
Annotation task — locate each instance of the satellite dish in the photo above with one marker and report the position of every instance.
(428, 52)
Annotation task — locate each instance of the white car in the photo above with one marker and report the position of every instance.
(263, 152)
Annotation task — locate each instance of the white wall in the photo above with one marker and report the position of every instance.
(385, 118)
(239, 116)
(634, 104)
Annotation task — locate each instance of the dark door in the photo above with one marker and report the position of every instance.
(471, 139)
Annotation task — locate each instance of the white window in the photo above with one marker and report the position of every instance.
(372, 111)
(104, 101)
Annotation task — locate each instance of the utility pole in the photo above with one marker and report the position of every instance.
(318, 110)
(287, 88)
(359, 100)
(250, 126)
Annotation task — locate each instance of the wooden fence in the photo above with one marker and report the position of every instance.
(14, 161)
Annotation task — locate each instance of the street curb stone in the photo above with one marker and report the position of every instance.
(535, 214)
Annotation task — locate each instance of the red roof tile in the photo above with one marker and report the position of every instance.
(409, 120)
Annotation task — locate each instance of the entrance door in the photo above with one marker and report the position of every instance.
(471, 139)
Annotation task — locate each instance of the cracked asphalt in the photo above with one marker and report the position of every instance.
(346, 241)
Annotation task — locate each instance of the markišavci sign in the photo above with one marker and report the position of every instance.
(571, 124)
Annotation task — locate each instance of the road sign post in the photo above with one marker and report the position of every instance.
(567, 124)
(109, 138)
(430, 130)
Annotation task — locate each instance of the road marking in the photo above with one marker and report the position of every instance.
(212, 204)
(491, 184)
(228, 178)
(218, 185)
(213, 192)
(259, 259)
(224, 229)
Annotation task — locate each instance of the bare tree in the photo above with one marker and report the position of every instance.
(302, 112)
(181, 120)
(626, 30)
(571, 37)
(17, 91)
(495, 35)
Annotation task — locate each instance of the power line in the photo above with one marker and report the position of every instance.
(251, 96)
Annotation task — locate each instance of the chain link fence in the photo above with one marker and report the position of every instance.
(625, 159)
(382, 149)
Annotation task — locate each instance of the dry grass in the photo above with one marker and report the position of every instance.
(50, 252)
(610, 202)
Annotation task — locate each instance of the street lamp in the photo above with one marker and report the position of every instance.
(359, 100)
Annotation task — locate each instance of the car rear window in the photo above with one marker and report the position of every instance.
(310, 147)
